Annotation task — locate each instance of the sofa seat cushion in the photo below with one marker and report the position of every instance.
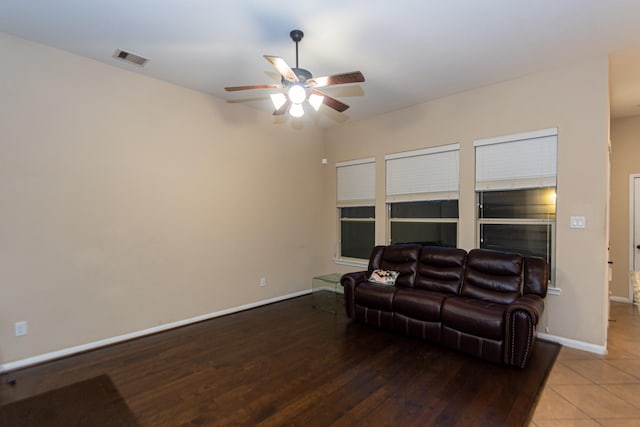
(419, 304)
(373, 295)
(475, 317)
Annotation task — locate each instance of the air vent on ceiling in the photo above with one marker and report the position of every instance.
(130, 57)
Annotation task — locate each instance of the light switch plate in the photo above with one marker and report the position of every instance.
(578, 222)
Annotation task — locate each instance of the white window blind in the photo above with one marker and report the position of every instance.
(517, 161)
(423, 174)
(356, 181)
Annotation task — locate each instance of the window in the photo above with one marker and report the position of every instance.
(516, 194)
(357, 231)
(432, 223)
(422, 196)
(518, 220)
(356, 208)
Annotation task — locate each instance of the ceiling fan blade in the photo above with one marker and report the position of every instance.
(336, 79)
(331, 102)
(282, 67)
(268, 86)
(283, 109)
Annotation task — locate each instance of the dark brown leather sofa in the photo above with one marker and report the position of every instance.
(484, 303)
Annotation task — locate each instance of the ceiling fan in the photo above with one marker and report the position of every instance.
(299, 85)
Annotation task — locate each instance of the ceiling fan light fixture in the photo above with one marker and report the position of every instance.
(297, 94)
(278, 100)
(296, 110)
(316, 101)
(298, 86)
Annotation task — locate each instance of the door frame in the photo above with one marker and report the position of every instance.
(632, 231)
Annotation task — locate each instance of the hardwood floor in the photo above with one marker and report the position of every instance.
(288, 364)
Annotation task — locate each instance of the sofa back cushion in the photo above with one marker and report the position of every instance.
(536, 276)
(493, 276)
(440, 269)
(400, 258)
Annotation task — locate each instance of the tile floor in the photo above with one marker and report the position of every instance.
(586, 389)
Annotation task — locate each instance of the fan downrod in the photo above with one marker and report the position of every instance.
(296, 36)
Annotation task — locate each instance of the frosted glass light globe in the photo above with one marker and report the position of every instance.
(316, 101)
(297, 94)
(296, 110)
(278, 100)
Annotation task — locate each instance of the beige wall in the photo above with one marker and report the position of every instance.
(128, 203)
(625, 155)
(573, 99)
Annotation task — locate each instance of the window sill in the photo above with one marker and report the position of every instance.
(553, 291)
(351, 262)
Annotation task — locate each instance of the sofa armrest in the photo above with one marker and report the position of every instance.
(349, 281)
(522, 317)
(532, 304)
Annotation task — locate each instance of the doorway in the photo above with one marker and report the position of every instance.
(634, 227)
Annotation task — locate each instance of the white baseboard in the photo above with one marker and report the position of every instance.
(620, 299)
(41, 358)
(578, 345)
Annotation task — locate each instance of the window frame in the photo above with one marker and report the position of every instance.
(425, 192)
(340, 220)
(421, 220)
(351, 195)
(544, 180)
(551, 241)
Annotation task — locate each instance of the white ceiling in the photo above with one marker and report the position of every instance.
(410, 51)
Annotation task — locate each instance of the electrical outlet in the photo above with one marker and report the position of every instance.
(20, 329)
(263, 281)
